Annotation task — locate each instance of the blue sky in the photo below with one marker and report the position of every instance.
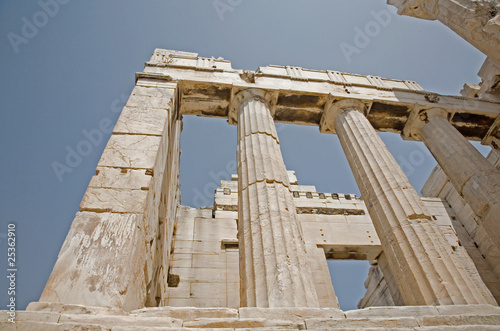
(75, 66)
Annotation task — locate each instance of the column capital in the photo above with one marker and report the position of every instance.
(419, 118)
(240, 96)
(335, 107)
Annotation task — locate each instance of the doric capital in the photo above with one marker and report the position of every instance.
(251, 93)
(333, 108)
(415, 8)
(419, 119)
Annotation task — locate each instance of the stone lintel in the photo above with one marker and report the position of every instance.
(303, 101)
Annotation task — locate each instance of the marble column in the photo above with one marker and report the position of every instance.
(273, 265)
(474, 178)
(424, 265)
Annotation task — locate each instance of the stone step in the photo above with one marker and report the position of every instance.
(59, 317)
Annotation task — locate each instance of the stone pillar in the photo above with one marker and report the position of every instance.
(423, 264)
(474, 178)
(273, 265)
(116, 253)
(477, 21)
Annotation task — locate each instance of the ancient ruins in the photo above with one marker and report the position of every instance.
(135, 258)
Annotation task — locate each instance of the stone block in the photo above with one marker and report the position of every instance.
(182, 290)
(233, 273)
(121, 178)
(184, 228)
(213, 228)
(152, 208)
(198, 247)
(114, 200)
(41, 326)
(303, 218)
(58, 307)
(33, 316)
(460, 328)
(142, 121)
(241, 323)
(326, 295)
(233, 295)
(216, 291)
(179, 260)
(468, 310)
(359, 219)
(401, 311)
(340, 234)
(483, 319)
(226, 214)
(296, 314)
(226, 202)
(186, 313)
(101, 262)
(155, 328)
(200, 275)
(130, 151)
(358, 323)
(233, 258)
(210, 260)
(197, 302)
(151, 97)
(111, 321)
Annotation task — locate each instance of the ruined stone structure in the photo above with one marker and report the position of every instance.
(135, 258)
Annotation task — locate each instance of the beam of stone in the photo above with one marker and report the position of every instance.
(273, 264)
(424, 265)
(477, 21)
(207, 85)
(474, 178)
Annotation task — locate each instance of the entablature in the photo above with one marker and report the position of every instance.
(207, 86)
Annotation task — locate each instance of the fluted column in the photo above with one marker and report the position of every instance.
(425, 268)
(474, 178)
(273, 265)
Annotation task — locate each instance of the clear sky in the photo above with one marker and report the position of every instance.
(65, 71)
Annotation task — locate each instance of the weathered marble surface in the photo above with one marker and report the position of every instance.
(469, 228)
(274, 270)
(72, 317)
(424, 265)
(134, 196)
(474, 178)
(116, 253)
